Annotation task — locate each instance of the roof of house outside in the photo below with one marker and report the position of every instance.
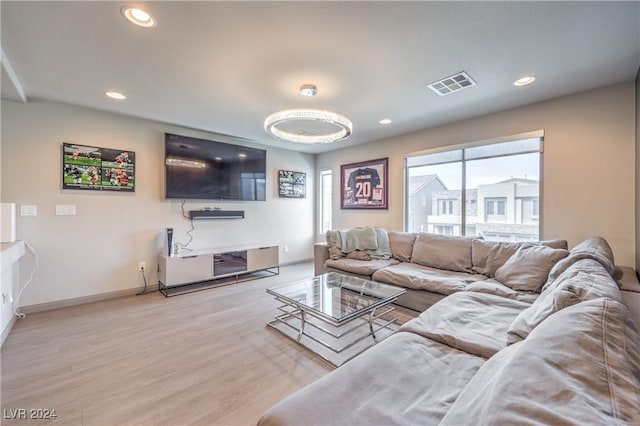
(418, 182)
(516, 180)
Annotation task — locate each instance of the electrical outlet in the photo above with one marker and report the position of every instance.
(285, 249)
(142, 266)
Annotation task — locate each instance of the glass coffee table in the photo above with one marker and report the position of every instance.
(336, 316)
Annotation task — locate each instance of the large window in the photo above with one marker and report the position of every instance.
(325, 201)
(491, 190)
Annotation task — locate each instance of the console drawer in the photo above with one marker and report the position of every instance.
(185, 269)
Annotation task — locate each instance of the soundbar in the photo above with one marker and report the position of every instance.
(216, 214)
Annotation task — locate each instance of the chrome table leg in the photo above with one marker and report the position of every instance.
(371, 318)
(302, 323)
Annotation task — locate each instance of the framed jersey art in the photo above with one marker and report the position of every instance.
(364, 185)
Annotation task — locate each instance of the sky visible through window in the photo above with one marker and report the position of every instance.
(523, 166)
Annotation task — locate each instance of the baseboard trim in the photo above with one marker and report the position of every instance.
(295, 262)
(58, 304)
(7, 330)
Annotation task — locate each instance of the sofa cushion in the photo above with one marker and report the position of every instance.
(398, 381)
(472, 322)
(589, 266)
(586, 371)
(411, 275)
(564, 292)
(359, 267)
(402, 245)
(442, 252)
(595, 248)
(488, 256)
(528, 268)
(495, 287)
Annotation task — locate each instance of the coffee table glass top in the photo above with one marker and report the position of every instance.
(336, 296)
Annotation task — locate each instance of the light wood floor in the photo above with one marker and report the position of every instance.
(200, 358)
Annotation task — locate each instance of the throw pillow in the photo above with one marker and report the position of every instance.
(488, 256)
(442, 252)
(358, 255)
(528, 268)
(402, 245)
(556, 244)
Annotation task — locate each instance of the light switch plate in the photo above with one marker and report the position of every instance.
(28, 210)
(65, 210)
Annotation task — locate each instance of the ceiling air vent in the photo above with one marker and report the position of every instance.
(452, 84)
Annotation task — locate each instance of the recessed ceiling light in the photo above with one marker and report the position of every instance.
(139, 17)
(242, 155)
(523, 81)
(308, 90)
(115, 95)
(385, 121)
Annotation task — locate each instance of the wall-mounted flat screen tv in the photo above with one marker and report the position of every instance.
(208, 170)
(97, 169)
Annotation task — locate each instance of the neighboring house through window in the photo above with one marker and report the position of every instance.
(489, 189)
(446, 206)
(495, 209)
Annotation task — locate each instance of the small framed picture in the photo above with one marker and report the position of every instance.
(364, 185)
(292, 184)
(97, 169)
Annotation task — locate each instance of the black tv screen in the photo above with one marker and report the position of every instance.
(209, 170)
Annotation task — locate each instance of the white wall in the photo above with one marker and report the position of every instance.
(588, 175)
(97, 251)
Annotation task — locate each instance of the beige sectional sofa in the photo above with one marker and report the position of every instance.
(570, 355)
(433, 266)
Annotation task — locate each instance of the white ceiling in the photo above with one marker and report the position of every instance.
(224, 66)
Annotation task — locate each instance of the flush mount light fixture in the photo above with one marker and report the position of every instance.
(385, 121)
(308, 90)
(310, 126)
(139, 17)
(116, 95)
(523, 81)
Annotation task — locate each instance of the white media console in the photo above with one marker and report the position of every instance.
(208, 268)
